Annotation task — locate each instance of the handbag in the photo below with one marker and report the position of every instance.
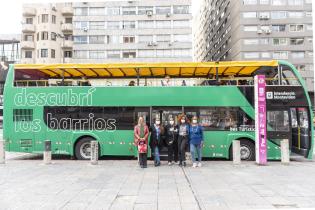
(142, 147)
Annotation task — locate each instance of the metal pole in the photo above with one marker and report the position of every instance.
(94, 152)
(47, 152)
(2, 152)
(236, 152)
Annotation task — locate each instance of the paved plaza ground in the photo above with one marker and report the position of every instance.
(26, 183)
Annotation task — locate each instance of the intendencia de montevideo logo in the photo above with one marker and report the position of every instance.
(68, 98)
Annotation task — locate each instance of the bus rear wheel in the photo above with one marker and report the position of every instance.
(247, 150)
(82, 149)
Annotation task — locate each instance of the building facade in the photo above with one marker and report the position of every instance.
(109, 31)
(256, 30)
(47, 33)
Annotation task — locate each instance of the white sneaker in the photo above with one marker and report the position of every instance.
(169, 163)
(176, 162)
(199, 164)
(194, 165)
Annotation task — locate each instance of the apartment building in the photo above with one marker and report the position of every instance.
(47, 33)
(256, 30)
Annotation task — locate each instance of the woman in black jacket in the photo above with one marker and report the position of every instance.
(156, 140)
(171, 132)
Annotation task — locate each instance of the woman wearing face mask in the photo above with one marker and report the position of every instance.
(156, 141)
(196, 141)
(183, 140)
(171, 131)
(141, 133)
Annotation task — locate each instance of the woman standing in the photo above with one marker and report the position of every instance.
(156, 140)
(171, 131)
(196, 141)
(183, 140)
(141, 133)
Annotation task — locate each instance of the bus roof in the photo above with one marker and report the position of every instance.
(181, 69)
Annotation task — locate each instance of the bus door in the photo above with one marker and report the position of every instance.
(278, 125)
(300, 130)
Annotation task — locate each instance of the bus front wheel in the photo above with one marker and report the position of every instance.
(247, 150)
(83, 148)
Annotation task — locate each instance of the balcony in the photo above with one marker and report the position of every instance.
(28, 28)
(27, 45)
(27, 11)
(67, 11)
(67, 44)
(66, 27)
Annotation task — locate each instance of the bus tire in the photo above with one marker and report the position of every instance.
(82, 148)
(247, 148)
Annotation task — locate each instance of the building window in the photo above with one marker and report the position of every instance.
(264, 41)
(67, 54)
(163, 38)
(264, 2)
(182, 37)
(98, 39)
(280, 55)
(129, 24)
(53, 19)
(145, 38)
(44, 18)
(251, 41)
(97, 25)
(142, 24)
(80, 54)
(163, 53)
(96, 11)
(128, 39)
(163, 10)
(297, 28)
(129, 54)
(310, 54)
(129, 11)
(181, 23)
(145, 10)
(181, 9)
(251, 55)
(279, 2)
(28, 54)
(297, 54)
(113, 39)
(163, 24)
(44, 35)
(249, 2)
(296, 14)
(308, 14)
(81, 25)
(278, 14)
(53, 53)
(81, 11)
(80, 39)
(53, 36)
(113, 11)
(278, 28)
(97, 54)
(250, 28)
(295, 2)
(113, 54)
(28, 37)
(266, 55)
(296, 41)
(146, 53)
(309, 27)
(113, 25)
(44, 53)
(68, 20)
(249, 14)
(29, 20)
(279, 41)
(182, 53)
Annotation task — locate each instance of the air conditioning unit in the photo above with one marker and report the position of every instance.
(150, 44)
(168, 14)
(149, 13)
(264, 17)
(259, 31)
(85, 29)
(268, 31)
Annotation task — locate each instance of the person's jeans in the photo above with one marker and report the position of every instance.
(156, 155)
(196, 147)
(182, 142)
(143, 159)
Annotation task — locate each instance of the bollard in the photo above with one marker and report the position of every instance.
(2, 152)
(236, 152)
(94, 152)
(285, 152)
(47, 152)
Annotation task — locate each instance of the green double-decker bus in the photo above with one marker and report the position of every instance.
(73, 104)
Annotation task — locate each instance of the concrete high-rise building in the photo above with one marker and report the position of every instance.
(47, 33)
(109, 31)
(256, 30)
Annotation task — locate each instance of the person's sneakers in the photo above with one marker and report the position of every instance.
(145, 166)
(141, 166)
(169, 163)
(199, 164)
(194, 165)
(157, 164)
(176, 162)
(180, 164)
(184, 163)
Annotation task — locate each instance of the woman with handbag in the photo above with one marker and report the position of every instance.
(141, 133)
